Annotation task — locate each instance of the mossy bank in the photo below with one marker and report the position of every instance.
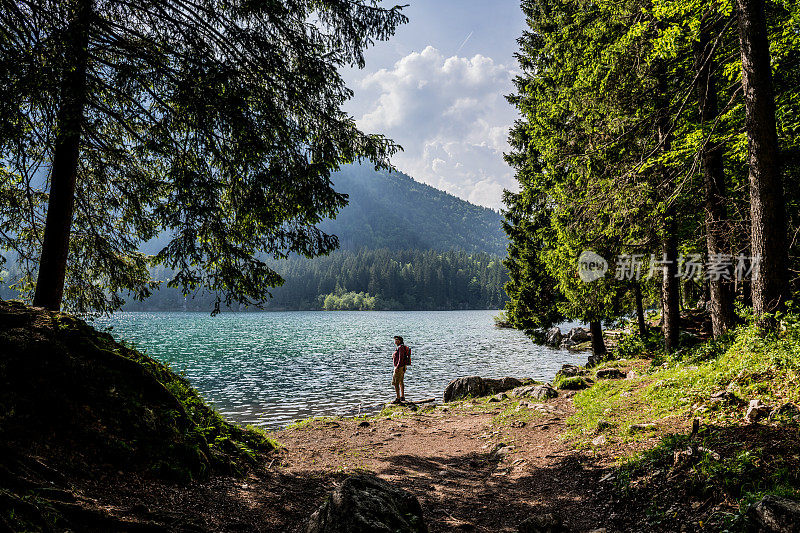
(73, 402)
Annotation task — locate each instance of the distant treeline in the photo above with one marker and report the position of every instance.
(369, 280)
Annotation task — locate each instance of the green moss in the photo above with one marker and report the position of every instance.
(570, 383)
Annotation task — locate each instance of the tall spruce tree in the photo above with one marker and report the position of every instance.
(767, 203)
(217, 123)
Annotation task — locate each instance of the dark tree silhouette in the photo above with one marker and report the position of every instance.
(217, 123)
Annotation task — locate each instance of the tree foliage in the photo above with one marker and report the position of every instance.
(217, 123)
(612, 141)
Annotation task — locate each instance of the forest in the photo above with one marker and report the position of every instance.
(401, 245)
(368, 280)
(664, 138)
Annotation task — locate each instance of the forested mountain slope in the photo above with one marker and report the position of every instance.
(391, 210)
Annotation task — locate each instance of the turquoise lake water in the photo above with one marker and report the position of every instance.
(270, 369)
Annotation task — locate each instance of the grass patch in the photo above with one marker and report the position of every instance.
(680, 385)
(729, 465)
(570, 382)
(714, 475)
(513, 413)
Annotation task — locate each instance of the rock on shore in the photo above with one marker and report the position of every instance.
(476, 386)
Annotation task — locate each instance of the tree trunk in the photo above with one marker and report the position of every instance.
(598, 344)
(637, 294)
(767, 204)
(64, 171)
(714, 189)
(670, 286)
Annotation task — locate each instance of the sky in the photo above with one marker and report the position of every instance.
(438, 89)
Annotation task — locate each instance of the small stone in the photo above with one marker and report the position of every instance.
(500, 450)
(542, 523)
(364, 424)
(631, 374)
(570, 370)
(599, 441)
(610, 373)
(756, 410)
(726, 397)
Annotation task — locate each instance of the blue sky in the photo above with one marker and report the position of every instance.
(437, 88)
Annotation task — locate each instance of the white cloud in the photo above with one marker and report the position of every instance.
(450, 116)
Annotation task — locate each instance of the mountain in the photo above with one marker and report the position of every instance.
(403, 245)
(392, 210)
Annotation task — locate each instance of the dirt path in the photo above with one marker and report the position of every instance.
(474, 467)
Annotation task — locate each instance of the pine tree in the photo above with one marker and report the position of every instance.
(215, 123)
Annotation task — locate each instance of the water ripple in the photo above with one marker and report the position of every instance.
(270, 369)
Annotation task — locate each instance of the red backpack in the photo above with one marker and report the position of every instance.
(406, 357)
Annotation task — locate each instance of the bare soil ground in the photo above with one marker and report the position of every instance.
(474, 467)
(446, 460)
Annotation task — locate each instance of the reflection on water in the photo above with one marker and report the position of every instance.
(273, 368)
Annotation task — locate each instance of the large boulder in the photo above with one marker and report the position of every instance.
(475, 386)
(579, 335)
(464, 387)
(493, 386)
(553, 337)
(539, 392)
(365, 503)
(774, 514)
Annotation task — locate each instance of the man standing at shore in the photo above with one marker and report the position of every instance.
(400, 359)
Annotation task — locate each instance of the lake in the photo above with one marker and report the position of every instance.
(270, 369)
